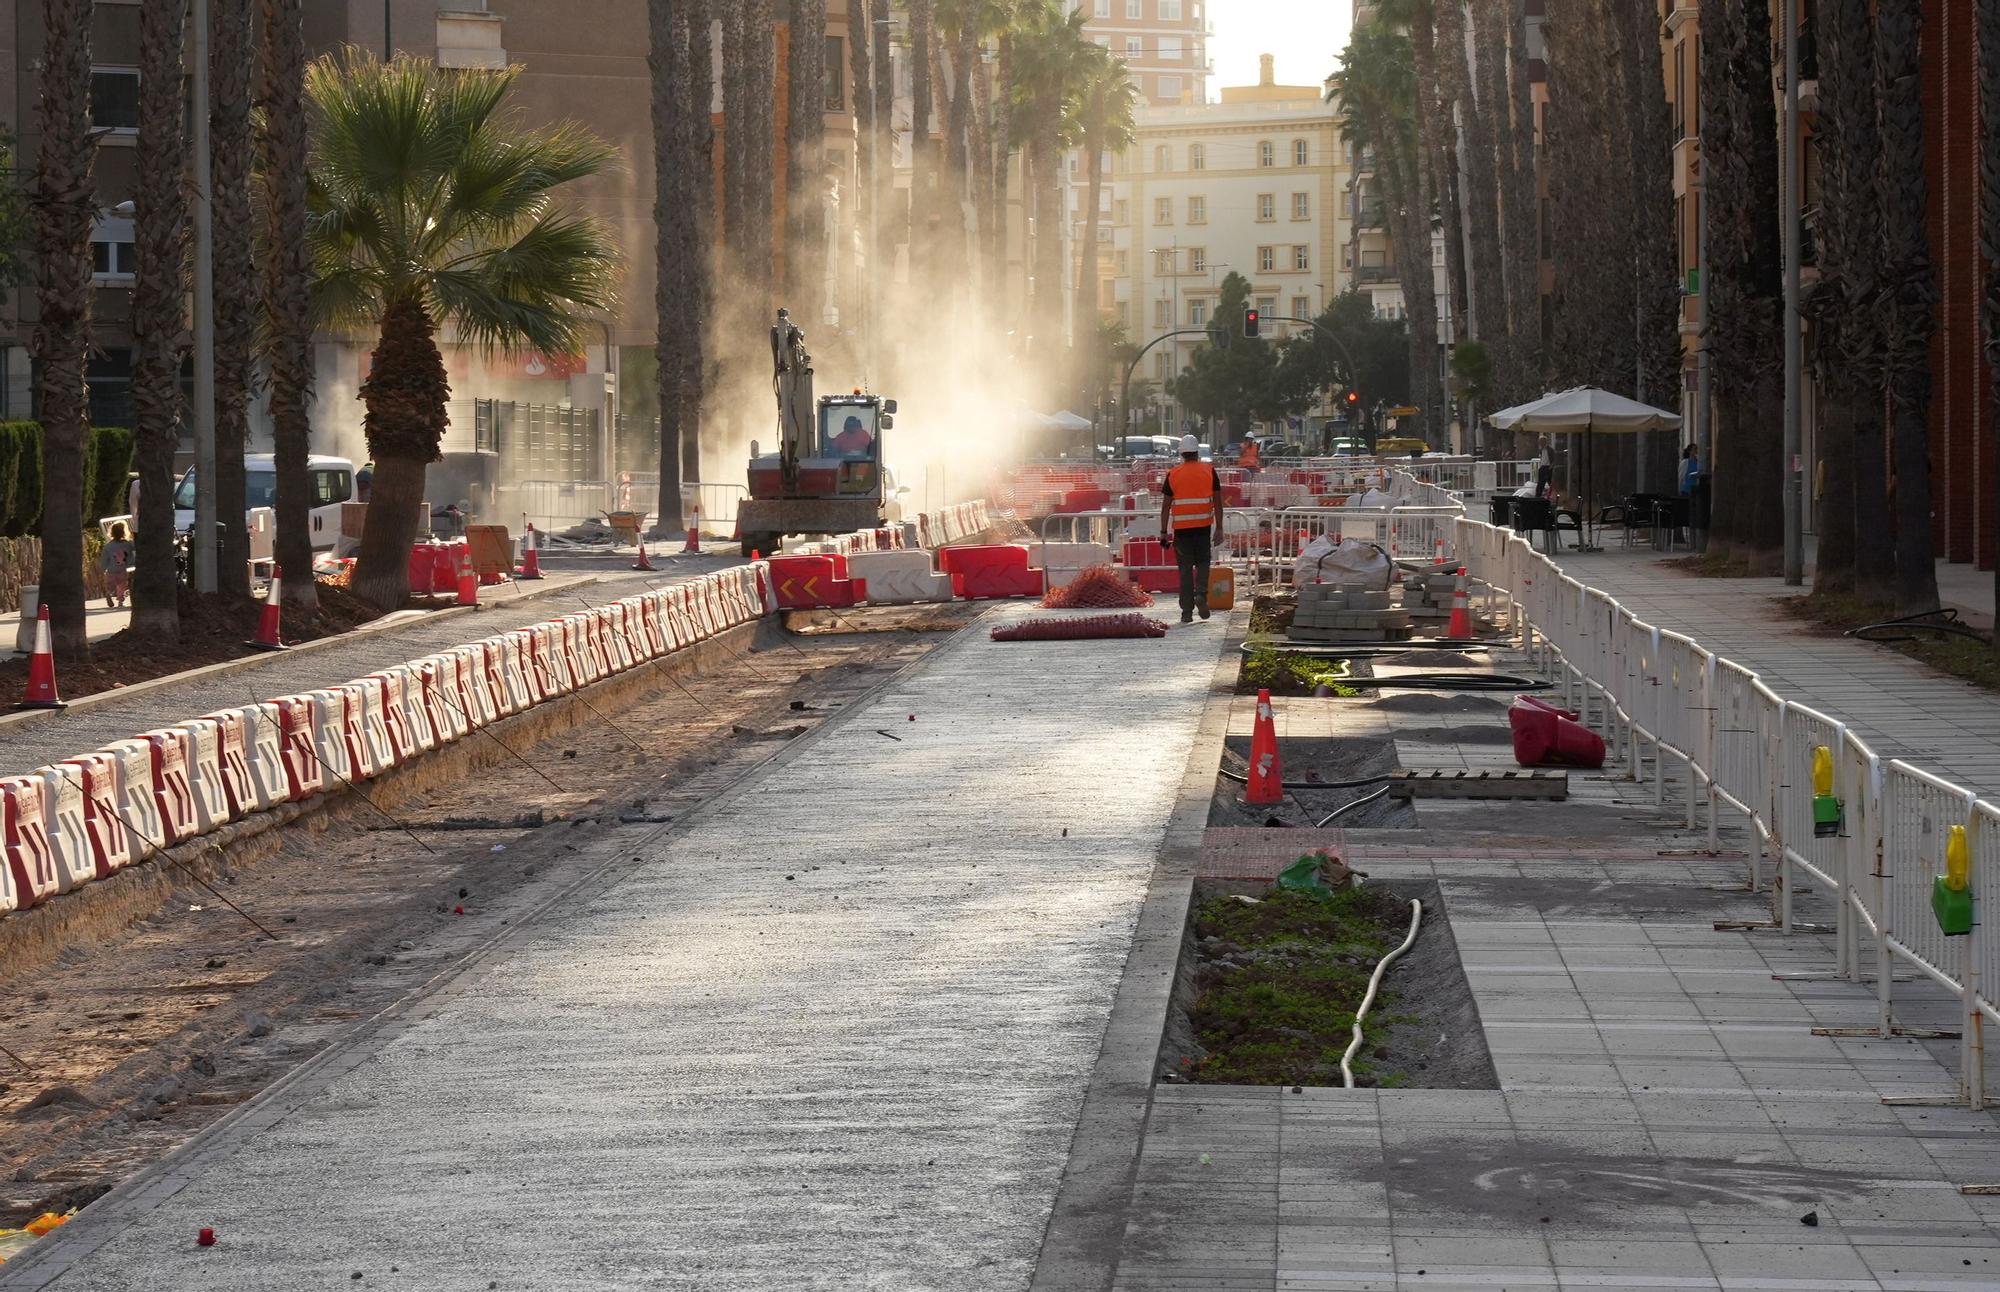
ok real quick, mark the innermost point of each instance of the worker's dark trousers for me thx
(1193, 554)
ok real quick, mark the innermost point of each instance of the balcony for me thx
(1375, 274)
(1372, 215)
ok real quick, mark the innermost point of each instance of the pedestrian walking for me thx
(1690, 468)
(1191, 513)
(116, 561)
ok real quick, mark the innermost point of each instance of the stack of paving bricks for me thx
(1347, 613)
(1427, 595)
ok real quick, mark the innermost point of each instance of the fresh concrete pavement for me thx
(831, 1031)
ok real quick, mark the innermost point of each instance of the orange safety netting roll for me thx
(1099, 587)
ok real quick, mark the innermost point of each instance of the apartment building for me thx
(1252, 185)
(1164, 42)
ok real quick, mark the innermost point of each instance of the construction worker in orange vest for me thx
(1192, 513)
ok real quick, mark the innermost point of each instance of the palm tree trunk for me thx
(287, 286)
(1086, 283)
(1049, 338)
(1447, 35)
(64, 204)
(805, 186)
(958, 135)
(235, 281)
(979, 160)
(676, 170)
(884, 250)
(699, 232)
(158, 313)
(737, 162)
(760, 47)
(1410, 242)
(1988, 18)
(923, 154)
(1912, 296)
(1001, 140)
(1521, 217)
(1482, 143)
(405, 394)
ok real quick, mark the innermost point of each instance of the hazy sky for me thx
(1304, 34)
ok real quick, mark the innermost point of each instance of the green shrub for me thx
(24, 504)
(106, 464)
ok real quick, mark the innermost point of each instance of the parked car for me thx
(1139, 446)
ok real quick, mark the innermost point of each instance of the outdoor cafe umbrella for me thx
(1584, 411)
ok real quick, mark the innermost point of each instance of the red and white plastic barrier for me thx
(110, 841)
(24, 834)
(173, 791)
(69, 837)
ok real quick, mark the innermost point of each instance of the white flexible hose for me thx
(1374, 982)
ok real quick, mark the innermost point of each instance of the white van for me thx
(330, 482)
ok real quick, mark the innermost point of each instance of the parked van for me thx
(330, 482)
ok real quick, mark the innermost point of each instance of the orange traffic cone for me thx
(41, 692)
(1461, 610)
(531, 555)
(468, 583)
(644, 562)
(694, 533)
(268, 620)
(1440, 549)
(1267, 779)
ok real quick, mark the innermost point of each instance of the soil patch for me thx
(214, 628)
(1320, 759)
(1960, 657)
(1269, 980)
(1417, 702)
(1271, 614)
(1289, 673)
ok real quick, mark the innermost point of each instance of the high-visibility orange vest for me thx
(1193, 485)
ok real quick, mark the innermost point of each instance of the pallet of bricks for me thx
(1347, 613)
(1427, 593)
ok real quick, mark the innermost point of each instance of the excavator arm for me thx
(792, 382)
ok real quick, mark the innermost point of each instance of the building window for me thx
(1160, 363)
(1163, 210)
(1170, 49)
(1135, 8)
(1170, 88)
(111, 250)
(1267, 206)
(1267, 153)
(1121, 263)
(1121, 212)
(1197, 313)
(1170, 10)
(1267, 305)
(1301, 153)
(836, 77)
(1266, 259)
(1302, 257)
(1302, 206)
(1163, 263)
(1197, 157)
(1197, 260)
(107, 375)
(1102, 9)
(1163, 158)
(114, 99)
(1163, 314)
(1197, 209)
(1301, 307)
(1132, 47)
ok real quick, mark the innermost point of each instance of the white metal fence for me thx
(1750, 752)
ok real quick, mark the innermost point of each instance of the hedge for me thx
(107, 463)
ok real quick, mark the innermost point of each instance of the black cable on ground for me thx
(1367, 651)
(1449, 682)
(1947, 624)
(1349, 807)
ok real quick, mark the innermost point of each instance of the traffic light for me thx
(1353, 396)
(1250, 323)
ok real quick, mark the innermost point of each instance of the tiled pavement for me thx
(1901, 708)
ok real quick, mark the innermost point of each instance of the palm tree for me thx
(678, 257)
(699, 125)
(805, 185)
(1438, 39)
(1485, 106)
(1988, 18)
(1843, 306)
(1520, 216)
(923, 154)
(1911, 298)
(1049, 67)
(64, 208)
(235, 280)
(959, 23)
(432, 208)
(288, 273)
(1376, 87)
(1107, 128)
(159, 308)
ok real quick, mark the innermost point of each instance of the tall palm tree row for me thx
(64, 206)
(235, 279)
(1987, 16)
(1910, 295)
(160, 246)
(1486, 97)
(434, 209)
(680, 259)
(805, 129)
(1049, 66)
(1107, 129)
(923, 150)
(282, 148)
(1440, 92)
(1587, 212)
(1520, 214)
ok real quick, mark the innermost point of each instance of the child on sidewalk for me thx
(116, 561)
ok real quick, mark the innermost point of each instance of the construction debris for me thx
(1345, 613)
(1091, 626)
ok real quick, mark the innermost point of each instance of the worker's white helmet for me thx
(1189, 444)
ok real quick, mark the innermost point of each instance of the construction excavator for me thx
(826, 476)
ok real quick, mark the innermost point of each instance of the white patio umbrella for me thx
(1584, 411)
(1065, 420)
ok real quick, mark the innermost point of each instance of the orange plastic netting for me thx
(1099, 587)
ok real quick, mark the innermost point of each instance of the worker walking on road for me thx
(1192, 513)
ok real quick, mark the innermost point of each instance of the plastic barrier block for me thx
(611, 632)
(535, 664)
(62, 817)
(900, 577)
(173, 792)
(651, 627)
(509, 671)
(463, 682)
(137, 807)
(389, 697)
(232, 754)
(201, 742)
(574, 631)
(1545, 736)
(417, 708)
(264, 755)
(299, 718)
(368, 751)
(435, 692)
(24, 834)
(111, 843)
(564, 675)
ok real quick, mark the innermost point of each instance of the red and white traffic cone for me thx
(468, 583)
(1267, 778)
(41, 693)
(694, 533)
(1461, 610)
(644, 562)
(268, 628)
(531, 555)
(1440, 549)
